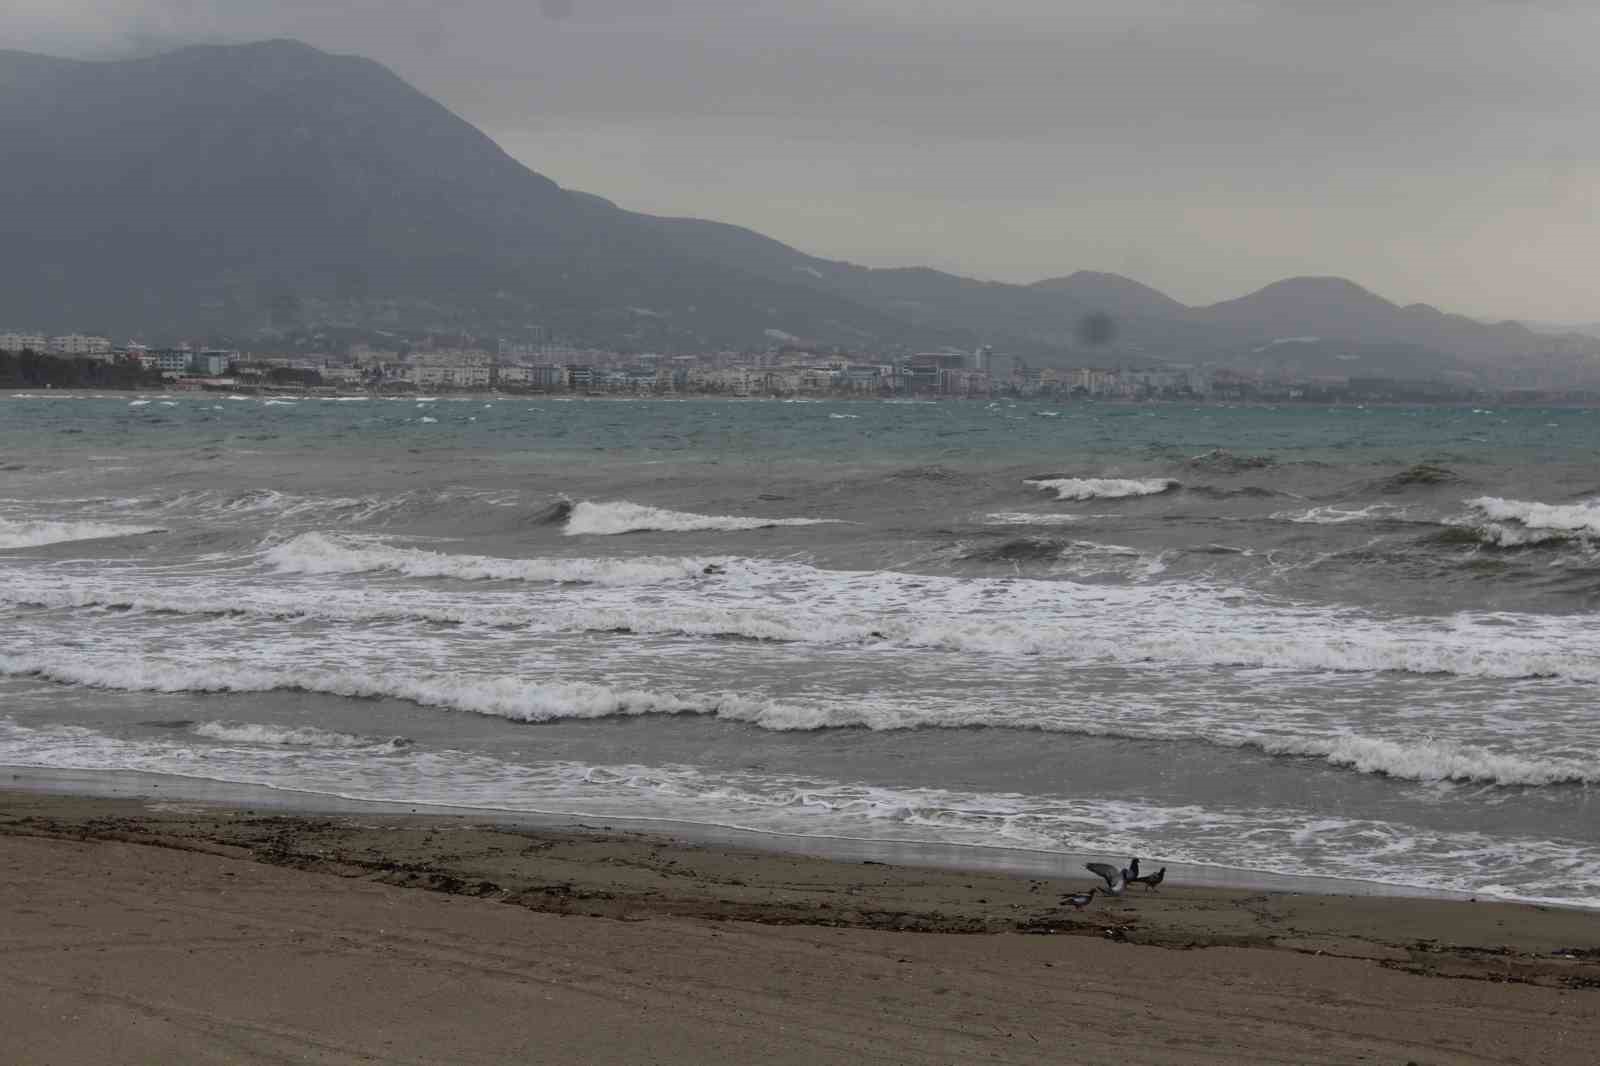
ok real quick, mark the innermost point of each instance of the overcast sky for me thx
(1442, 151)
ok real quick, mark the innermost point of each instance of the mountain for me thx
(237, 190)
(1112, 294)
(225, 188)
(1337, 309)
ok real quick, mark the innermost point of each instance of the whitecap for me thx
(33, 534)
(607, 519)
(1106, 488)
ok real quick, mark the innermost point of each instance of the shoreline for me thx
(438, 395)
(998, 859)
(152, 928)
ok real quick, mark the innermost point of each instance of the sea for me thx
(1346, 642)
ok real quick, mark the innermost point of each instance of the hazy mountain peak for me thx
(1113, 293)
(225, 189)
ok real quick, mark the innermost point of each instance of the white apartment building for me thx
(15, 341)
(78, 344)
(452, 377)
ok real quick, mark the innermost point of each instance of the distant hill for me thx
(231, 190)
(1112, 294)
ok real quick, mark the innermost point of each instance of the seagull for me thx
(1116, 880)
(1150, 881)
(1132, 872)
(1079, 900)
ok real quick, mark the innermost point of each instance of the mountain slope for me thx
(1112, 294)
(231, 186)
(231, 189)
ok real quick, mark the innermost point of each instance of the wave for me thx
(1225, 462)
(1255, 492)
(323, 553)
(1024, 518)
(34, 534)
(291, 736)
(1425, 475)
(1431, 760)
(1101, 488)
(1578, 519)
(1426, 760)
(609, 519)
(1338, 516)
(933, 472)
(555, 514)
(1176, 624)
(1018, 550)
(512, 698)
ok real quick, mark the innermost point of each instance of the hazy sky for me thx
(1435, 150)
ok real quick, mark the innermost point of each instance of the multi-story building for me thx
(15, 341)
(532, 377)
(166, 360)
(78, 344)
(212, 362)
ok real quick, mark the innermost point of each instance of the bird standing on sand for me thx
(1079, 900)
(1150, 881)
(1116, 880)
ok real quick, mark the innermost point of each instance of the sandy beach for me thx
(140, 930)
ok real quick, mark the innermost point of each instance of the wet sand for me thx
(142, 931)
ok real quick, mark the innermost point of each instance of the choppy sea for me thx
(1349, 642)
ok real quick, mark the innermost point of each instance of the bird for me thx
(1079, 900)
(1116, 880)
(1150, 881)
(1132, 872)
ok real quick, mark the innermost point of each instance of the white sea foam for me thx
(1336, 516)
(291, 736)
(1423, 759)
(1102, 488)
(324, 553)
(503, 697)
(1582, 519)
(1174, 624)
(1432, 760)
(606, 519)
(1281, 840)
(1025, 518)
(33, 534)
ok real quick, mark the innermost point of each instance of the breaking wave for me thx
(1431, 760)
(1179, 624)
(28, 534)
(1025, 518)
(291, 736)
(607, 519)
(1530, 519)
(1101, 488)
(516, 699)
(323, 553)
(503, 697)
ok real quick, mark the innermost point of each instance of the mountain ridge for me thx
(240, 188)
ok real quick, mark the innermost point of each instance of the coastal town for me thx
(429, 365)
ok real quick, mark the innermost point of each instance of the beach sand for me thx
(141, 931)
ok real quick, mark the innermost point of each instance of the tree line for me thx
(30, 370)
